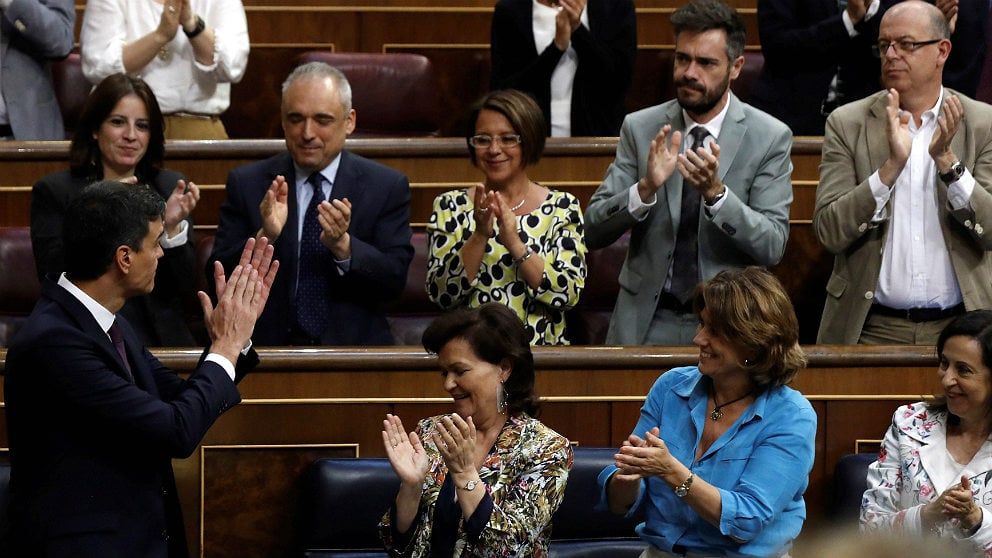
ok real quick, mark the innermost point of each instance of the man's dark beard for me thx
(709, 100)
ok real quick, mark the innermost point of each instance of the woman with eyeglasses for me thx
(508, 239)
(934, 471)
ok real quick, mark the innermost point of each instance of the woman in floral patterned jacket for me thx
(485, 480)
(934, 471)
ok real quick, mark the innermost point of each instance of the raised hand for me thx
(168, 24)
(900, 140)
(405, 451)
(274, 209)
(700, 169)
(240, 299)
(948, 123)
(483, 211)
(335, 217)
(180, 204)
(455, 440)
(567, 21)
(662, 160)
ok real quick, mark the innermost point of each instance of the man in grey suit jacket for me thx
(905, 195)
(742, 177)
(32, 32)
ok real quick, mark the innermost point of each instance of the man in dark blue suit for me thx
(93, 419)
(340, 224)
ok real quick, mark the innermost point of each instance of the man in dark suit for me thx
(93, 418)
(340, 224)
(817, 57)
(696, 207)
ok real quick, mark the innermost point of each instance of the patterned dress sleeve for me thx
(564, 251)
(881, 506)
(523, 509)
(447, 231)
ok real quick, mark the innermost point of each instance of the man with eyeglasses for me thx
(717, 200)
(905, 195)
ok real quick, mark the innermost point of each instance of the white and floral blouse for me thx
(553, 231)
(914, 468)
(524, 476)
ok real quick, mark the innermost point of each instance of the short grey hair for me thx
(321, 70)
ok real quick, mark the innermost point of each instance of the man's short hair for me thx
(104, 216)
(699, 16)
(320, 70)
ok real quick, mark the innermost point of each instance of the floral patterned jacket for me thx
(911, 471)
(525, 475)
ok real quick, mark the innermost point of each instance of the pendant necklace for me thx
(717, 412)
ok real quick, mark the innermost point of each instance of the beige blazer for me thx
(854, 146)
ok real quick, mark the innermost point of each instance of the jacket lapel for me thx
(85, 321)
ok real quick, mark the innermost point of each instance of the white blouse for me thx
(563, 75)
(180, 83)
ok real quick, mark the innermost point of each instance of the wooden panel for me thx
(246, 491)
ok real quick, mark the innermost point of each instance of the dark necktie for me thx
(311, 288)
(118, 340)
(685, 266)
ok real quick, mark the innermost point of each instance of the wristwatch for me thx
(953, 174)
(716, 198)
(470, 485)
(683, 489)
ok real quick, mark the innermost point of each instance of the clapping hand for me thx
(405, 451)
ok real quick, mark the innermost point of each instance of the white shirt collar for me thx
(105, 318)
(713, 126)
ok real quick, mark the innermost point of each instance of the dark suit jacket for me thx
(380, 247)
(970, 44)
(606, 51)
(38, 31)
(803, 42)
(90, 451)
(160, 318)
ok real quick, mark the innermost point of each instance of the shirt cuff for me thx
(344, 266)
(710, 210)
(181, 237)
(222, 361)
(881, 193)
(848, 24)
(959, 192)
(637, 208)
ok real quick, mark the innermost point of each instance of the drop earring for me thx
(500, 399)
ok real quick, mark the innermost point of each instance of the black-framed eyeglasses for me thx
(485, 142)
(902, 47)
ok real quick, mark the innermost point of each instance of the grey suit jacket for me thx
(34, 31)
(854, 147)
(750, 228)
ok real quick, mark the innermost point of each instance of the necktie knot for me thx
(315, 181)
(698, 135)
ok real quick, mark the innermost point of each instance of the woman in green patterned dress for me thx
(508, 239)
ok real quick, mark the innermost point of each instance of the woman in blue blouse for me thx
(721, 455)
